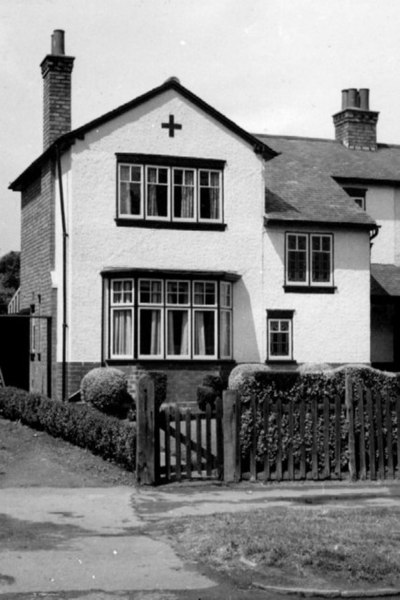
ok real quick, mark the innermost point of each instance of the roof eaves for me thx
(268, 221)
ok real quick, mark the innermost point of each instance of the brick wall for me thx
(37, 261)
(356, 129)
(56, 72)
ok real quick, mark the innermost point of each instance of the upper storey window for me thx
(309, 260)
(169, 190)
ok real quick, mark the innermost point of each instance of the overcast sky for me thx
(272, 66)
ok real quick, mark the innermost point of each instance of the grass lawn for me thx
(345, 547)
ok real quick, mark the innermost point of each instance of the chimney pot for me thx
(364, 98)
(345, 94)
(353, 98)
(57, 42)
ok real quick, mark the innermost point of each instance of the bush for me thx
(106, 389)
(211, 389)
(308, 388)
(79, 424)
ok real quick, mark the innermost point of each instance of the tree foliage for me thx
(9, 278)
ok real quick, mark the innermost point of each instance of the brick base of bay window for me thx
(182, 379)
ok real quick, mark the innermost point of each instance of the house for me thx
(163, 237)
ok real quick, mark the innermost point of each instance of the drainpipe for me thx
(64, 277)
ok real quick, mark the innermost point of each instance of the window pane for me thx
(209, 205)
(204, 333)
(136, 173)
(226, 334)
(204, 293)
(321, 259)
(297, 265)
(183, 194)
(150, 291)
(178, 333)
(124, 172)
(122, 338)
(157, 200)
(130, 198)
(177, 292)
(226, 295)
(150, 332)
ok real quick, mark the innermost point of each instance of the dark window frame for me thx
(143, 219)
(309, 285)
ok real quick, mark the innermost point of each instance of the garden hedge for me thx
(79, 424)
(308, 387)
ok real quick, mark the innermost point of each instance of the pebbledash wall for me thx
(327, 327)
(96, 242)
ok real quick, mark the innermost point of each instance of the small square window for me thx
(279, 335)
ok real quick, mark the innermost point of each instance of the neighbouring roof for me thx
(67, 140)
(302, 181)
(385, 280)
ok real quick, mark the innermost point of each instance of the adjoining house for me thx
(163, 237)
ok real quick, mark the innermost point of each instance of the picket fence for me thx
(330, 438)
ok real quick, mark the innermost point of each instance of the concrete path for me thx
(85, 539)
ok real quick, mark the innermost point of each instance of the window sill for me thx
(281, 362)
(309, 289)
(170, 224)
(180, 362)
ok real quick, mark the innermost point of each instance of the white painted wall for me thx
(332, 328)
(95, 242)
(383, 205)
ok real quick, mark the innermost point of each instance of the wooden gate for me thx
(191, 443)
(176, 443)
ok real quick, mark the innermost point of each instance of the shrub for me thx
(308, 388)
(211, 389)
(79, 424)
(106, 389)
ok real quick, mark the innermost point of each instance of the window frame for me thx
(309, 284)
(147, 183)
(172, 164)
(214, 311)
(128, 216)
(121, 306)
(221, 303)
(173, 185)
(280, 316)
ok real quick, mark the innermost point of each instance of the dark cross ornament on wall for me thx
(171, 126)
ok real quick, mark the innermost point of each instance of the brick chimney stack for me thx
(56, 73)
(355, 124)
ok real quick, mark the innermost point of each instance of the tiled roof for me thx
(303, 178)
(385, 280)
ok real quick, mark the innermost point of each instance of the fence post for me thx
(147, 440)
(231, 429)
(350, 419)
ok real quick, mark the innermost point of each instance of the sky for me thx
(272, 66)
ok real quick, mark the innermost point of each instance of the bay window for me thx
(175, 319)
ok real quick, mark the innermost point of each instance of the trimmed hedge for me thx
(294, 387)
(79, 424)
(106, 389)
